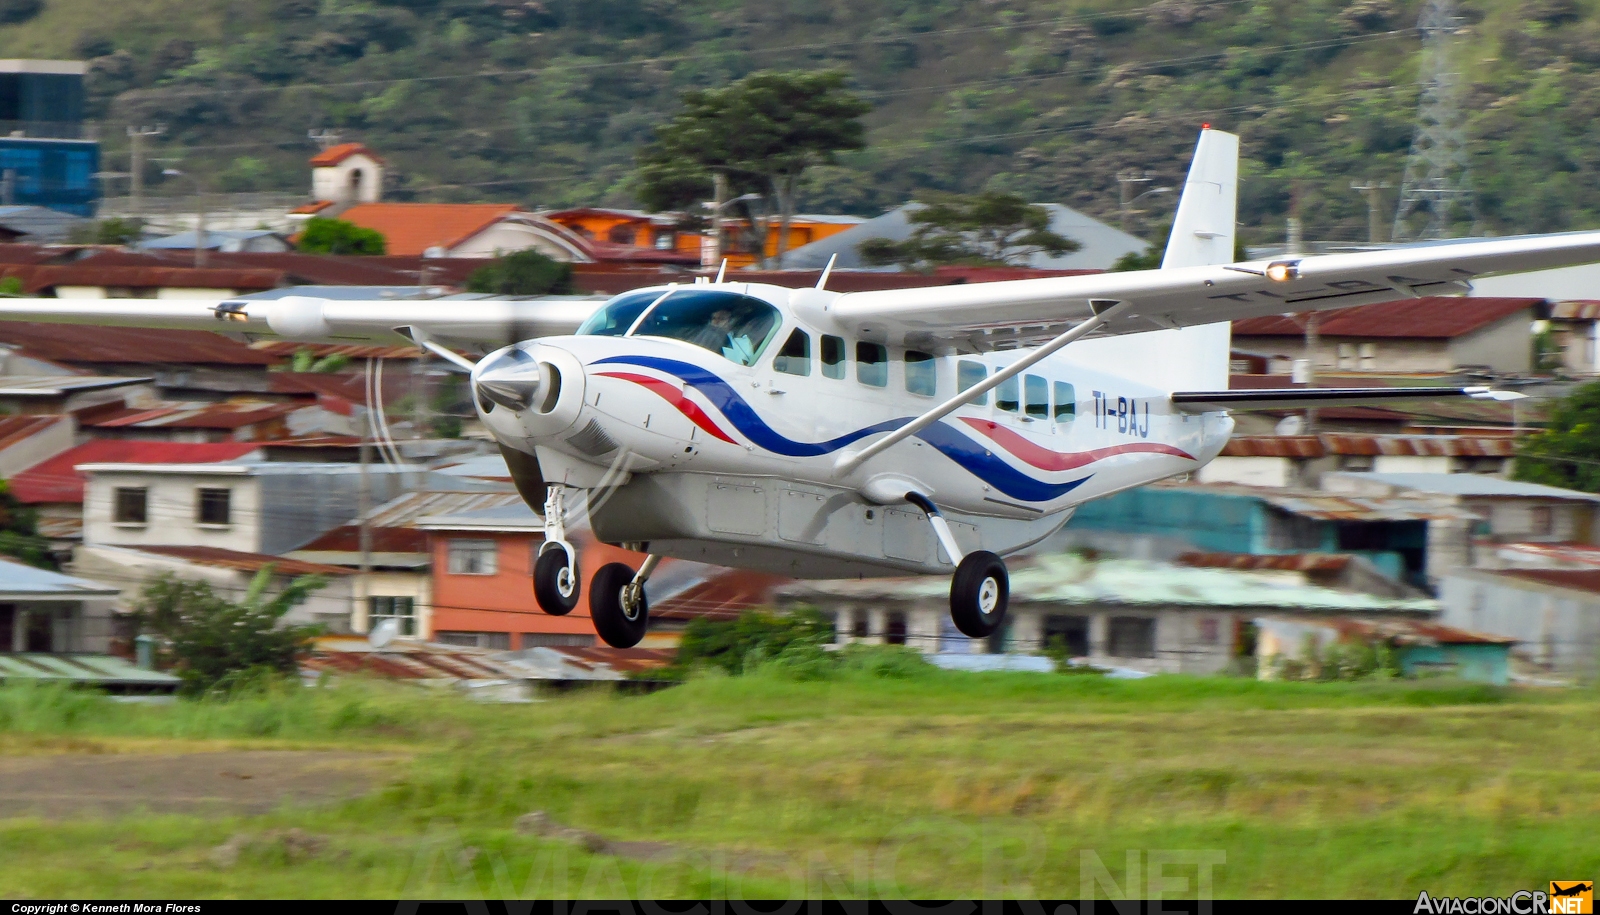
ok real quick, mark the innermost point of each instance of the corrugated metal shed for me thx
(1470, 485)
(243, 562)
(394, 523)
(60, 385)
(83, 669)
(1068, 580)
(1357, 508)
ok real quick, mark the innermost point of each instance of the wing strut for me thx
(1104, 310)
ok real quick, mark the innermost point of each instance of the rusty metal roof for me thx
(48, 276)
(1574, 579)
(1358, 444)
(83, 343)
(55, 479)
(1327, 507)
(243, 562)
(1429, 317)
(394, 523)
(14, 429)
(1283, 562)
(414, 660)
(1401, 631)
(193, 416)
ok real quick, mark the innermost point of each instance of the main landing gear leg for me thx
(618, 604)
(556, 580)
(980, 588)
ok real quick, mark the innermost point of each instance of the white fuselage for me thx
(1061, 435)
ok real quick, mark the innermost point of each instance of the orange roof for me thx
(333, 155)
(314, 207)
(413, 228)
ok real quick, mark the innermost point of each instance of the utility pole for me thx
(719, 198)
(136, 138)
(1126, 179)
(1373, 192)
(1438, 176)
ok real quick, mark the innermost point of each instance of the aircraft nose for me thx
(512, 387)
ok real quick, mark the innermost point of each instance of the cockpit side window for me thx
(737, 327)
(616, 316)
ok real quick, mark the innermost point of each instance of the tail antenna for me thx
(722, 271)
(827, 271)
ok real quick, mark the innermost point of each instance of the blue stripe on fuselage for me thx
(975, 458)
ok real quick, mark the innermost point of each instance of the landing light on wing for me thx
(1283, 271)
(1492, 394)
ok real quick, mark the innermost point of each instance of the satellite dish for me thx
(383, 633)
(1293, 424)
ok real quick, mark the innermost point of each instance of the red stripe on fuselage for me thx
(673, 395)
(1045, 459)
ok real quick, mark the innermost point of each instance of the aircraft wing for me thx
(982, 316)
(1305, 398)
(474, 324)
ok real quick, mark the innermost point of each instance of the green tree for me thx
(305, 360)
(989, 228)
(115, 230)
(522, 273)
(1567, 452)
(336, 236)
(215, 641)
(755, 636)
(10, 287)
(764, 130)
(18, 532)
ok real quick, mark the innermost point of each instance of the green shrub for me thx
(757, 635)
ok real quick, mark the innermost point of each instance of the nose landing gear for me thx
(618, 604)
(556, 578)
(980, 588)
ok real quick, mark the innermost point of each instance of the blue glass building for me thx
(44, 158)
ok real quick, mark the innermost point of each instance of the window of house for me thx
(1347, 355)
(1209, 630)
(832, 356)
(214, 506)
(1369, 356)
(129, 505)
(1068, 632)
(1007, 395)
(1066, 402)
(1037, 392)
(555, 640)
(969, 373)
(872, 364)
(922, 373)
(795, 356)
(497, 640)
(894, 630)
(472, 557)
(1131, 637)
(400, 609)
(1543, 519)
(666, 241)
(860, 624)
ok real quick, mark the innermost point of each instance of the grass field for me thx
(939, 784)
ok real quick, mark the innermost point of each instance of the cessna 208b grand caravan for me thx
(824, 435)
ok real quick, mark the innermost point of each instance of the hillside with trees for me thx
(547, 102)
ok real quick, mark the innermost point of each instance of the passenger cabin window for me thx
(736, 326)
(1066, 402)
(795, 357)
(1037, 392)
(872, 364)
(832, 356)
(969, 373)
(922, 373)
(1006, 395)
(129, 505)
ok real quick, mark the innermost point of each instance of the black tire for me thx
(979, 592)
(548, 574)
(611, 620)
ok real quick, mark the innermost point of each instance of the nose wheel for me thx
(556, 581)
(618, 604)
(979, 592)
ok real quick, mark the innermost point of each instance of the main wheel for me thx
(978, 594)
(621, 612)
(555, 586)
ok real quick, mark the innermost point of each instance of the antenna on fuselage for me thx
(827, 271)
(722, 271)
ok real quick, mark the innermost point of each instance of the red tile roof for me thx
(82, 343)
(413, 228)
(1431, 317)
(333, 155)
(55, 480)
(244, 562)
(14, 429)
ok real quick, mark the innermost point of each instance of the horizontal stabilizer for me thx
(1305, 398)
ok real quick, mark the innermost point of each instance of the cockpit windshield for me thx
(737, 327)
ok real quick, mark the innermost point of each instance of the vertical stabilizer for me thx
(1193, 358)
(1202, 231)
